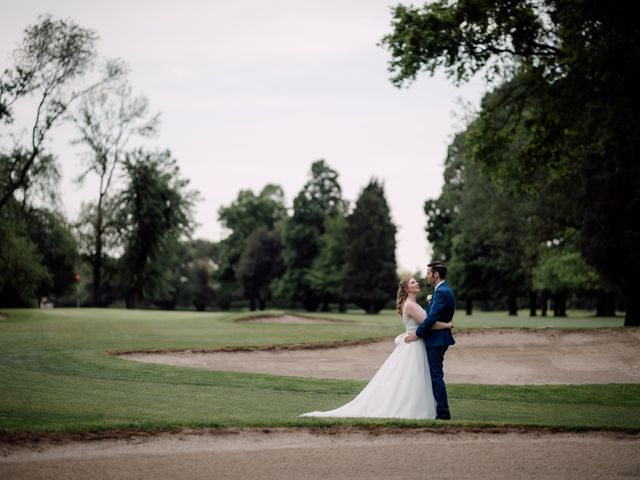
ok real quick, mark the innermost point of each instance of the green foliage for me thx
(203, 293)
(327, 275)
(442, 211)
(155, 209)
(38, 256)
(371, 259)
(484, 231)
(58, 249)
(561, 267)
(22, 272)
(260, 264)
(52, 57)
(250, 211)
(562, 125)
(245, 215)
(106, 120)
(320, 198)
(466, 37)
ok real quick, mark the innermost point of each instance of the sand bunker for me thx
(290, 319)
(490, 356)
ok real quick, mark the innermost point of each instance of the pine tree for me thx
(370, 256)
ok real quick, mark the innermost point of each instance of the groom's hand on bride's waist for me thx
(410, 337)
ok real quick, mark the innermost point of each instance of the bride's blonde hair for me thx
(402, 294)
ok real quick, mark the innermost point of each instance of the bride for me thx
(401, 388)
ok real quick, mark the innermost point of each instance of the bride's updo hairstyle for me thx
(402, 294)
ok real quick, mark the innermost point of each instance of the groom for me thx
(441, 309)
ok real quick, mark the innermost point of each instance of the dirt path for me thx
(495, 356)
(302, 454)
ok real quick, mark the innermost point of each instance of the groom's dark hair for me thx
(439, 267)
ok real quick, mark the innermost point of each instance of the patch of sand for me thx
(288, 319)
(488, 356)
(354, 454)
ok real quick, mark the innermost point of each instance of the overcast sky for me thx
(252, 92)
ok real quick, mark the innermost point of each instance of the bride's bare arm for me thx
(416, 313)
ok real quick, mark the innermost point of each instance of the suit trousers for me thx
(435, 355)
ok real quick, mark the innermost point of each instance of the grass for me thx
(56, 376)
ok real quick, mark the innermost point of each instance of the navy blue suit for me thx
(440, 309)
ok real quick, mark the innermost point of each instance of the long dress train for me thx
(401, 388)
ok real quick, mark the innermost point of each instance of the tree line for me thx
(133, 243)
(539, 203)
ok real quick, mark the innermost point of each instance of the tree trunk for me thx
(97, 259)
(469, 306)
(252, 303)
(632, 316)
(543, 304)
(342, 307)
(513, 304)
(262, 303)
(560, 304)
(532, 304)
(606, 304)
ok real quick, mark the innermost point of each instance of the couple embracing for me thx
(410, 383)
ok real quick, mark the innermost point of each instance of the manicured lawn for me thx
(56, 376)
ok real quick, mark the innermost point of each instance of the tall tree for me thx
(206, 258)
(578, 62)
(561, 269)
(59, 251)
(328, 272)
(320, 197)
(50, 64)
(260, 264)
(22, 271)
(247, 213)
(371, 251)
(106, 119)
(156, 207)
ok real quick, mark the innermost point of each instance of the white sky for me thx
(252, 92)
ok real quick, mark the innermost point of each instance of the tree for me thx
(58, 249)
(371, 250)
(442, 211)
(320, 197)
(110, 245)
(21, 270)
(492, 252)
(106, 119)
(53, 56)
(561, 270)
(247, 213)
(577, 62)
(155, 209)
(260, 264)
(485, 231)
(203, 293)
(328, 272)
(206, 258)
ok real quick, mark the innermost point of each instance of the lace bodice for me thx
(409, 324)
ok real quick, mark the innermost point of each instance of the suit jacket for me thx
(440, 309)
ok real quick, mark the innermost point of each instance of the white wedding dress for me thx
(401, 388)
